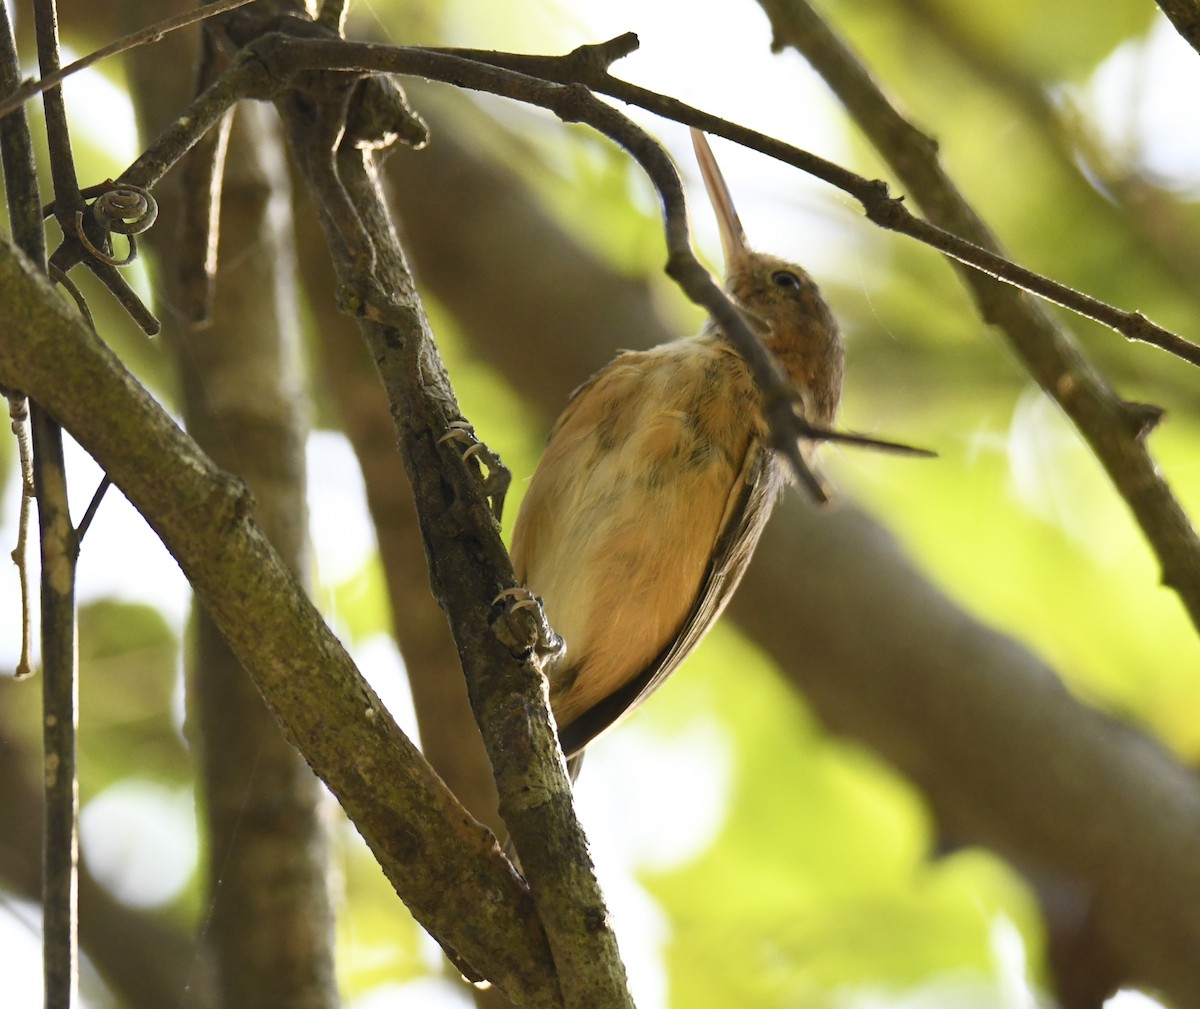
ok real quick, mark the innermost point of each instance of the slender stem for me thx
(60, 700)
(67, 198)
(21, 193)
(180, 136)
(141, 37)
(587, 66)
(92, 508)
(59, 548)
(18, 412)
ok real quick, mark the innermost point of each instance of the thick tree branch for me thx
(449, 737)
(468, 563)
(443, 864)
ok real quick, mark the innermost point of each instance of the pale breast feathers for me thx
(677, 424)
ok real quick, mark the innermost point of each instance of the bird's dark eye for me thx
(785, 278)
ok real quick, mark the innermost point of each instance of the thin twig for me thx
(1115, 430)
(21, 192)
(18, 412)
(60, 691)
(588, 66)
(68, 285)
(67, 198)
(93, 506)
(141, 37)
(203, 173)
(244, 79)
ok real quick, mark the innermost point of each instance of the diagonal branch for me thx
(1112, 427)
(138, 38)
(443, 864)
(1185, 16)
(469, 566)
(588, 65)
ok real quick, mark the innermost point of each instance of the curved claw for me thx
(526, 635)
(516, 598)
(473, 450)
(495, 484)
(460, 431)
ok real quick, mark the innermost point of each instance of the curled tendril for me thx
(100, 254)
(124, 209)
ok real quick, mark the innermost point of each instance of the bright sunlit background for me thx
(830, 901)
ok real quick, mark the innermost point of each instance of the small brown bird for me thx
(656, 483)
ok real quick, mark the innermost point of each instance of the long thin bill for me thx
(733, 237)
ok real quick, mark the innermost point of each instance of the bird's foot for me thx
(523, 626)
(472, 450)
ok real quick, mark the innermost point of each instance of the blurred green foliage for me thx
(827, 886)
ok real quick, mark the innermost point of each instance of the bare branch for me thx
(59, 553)
(141, 37)
(21, 192)
(18, 413)
(468, 563)
(444, 865)
(60, 692)
(1114, 429)
(1185, 16)
(587, 66)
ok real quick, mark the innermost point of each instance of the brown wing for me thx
(750, 504)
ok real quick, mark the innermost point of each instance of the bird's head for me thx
(782, 302)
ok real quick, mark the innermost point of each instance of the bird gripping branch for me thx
(656, 484)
